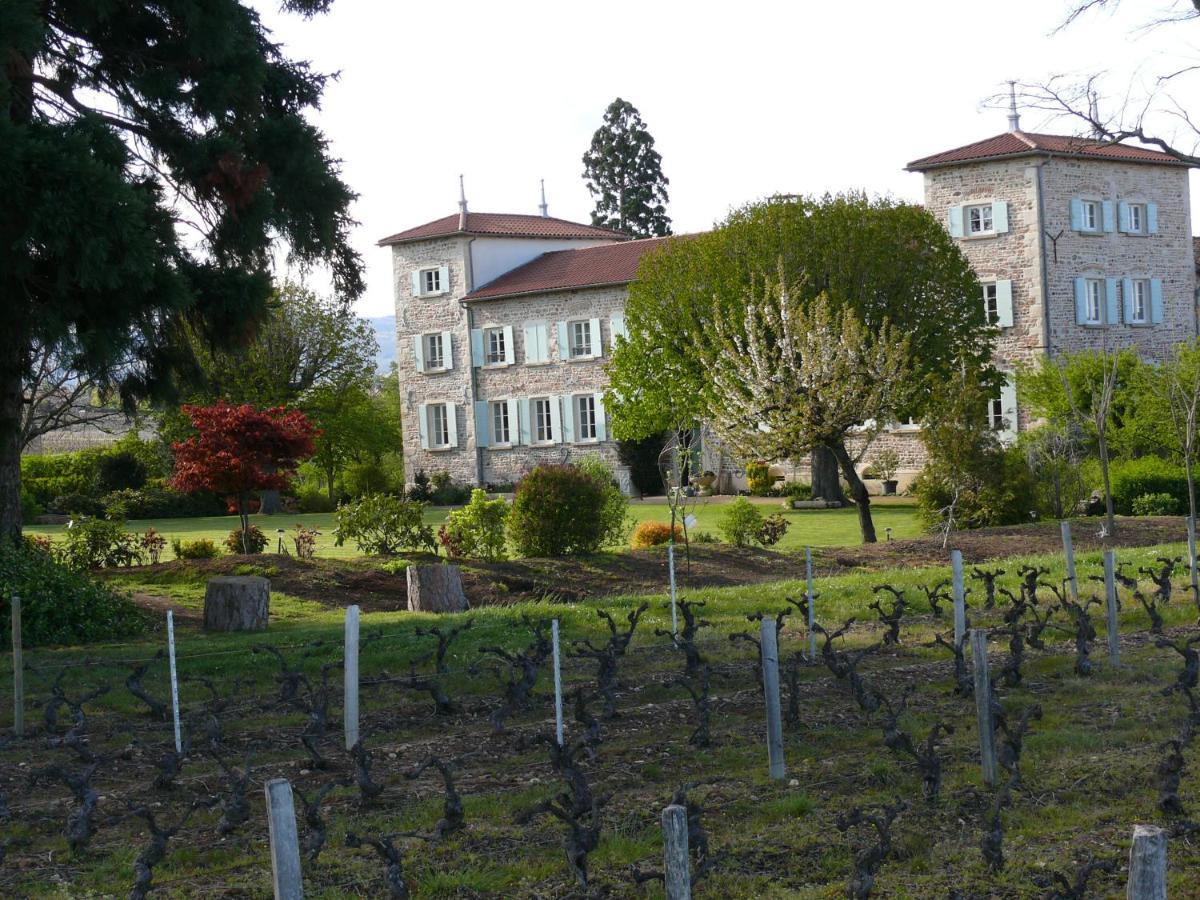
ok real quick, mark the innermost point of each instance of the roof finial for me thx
(1014, 119)
(542, 207)
(462, 205)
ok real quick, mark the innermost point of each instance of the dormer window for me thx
(979, 219)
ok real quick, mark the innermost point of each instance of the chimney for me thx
(1014, 120)
(542, 208)
(462, 205)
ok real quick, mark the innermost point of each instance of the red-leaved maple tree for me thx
(240, 449)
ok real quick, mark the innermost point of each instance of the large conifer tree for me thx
(151, 154)
(624, 174)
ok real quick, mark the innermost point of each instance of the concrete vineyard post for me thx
(558, 704)
(770, 668)
(678, 877)
(671, 571)
(350, 694)
(960, 600)
(1069, 555)
(983, 705)
(1191, 529)
(174, 678)
(1110, 607)
(1147, 864)
(285, 840)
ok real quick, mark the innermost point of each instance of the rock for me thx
(236, 603)
(436, 588)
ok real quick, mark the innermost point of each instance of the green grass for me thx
(809, 527)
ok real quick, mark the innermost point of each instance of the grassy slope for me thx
(815, 527)
(1089, 764)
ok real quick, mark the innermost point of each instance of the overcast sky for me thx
(743, 99)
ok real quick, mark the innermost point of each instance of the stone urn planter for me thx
(889, 487)
(236, 603)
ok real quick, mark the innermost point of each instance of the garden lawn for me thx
(809, 527)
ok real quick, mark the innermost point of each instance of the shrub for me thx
(1003, 492)
(652, 534)
(1134, 478)
(884, 466)
(153, 544)
(558, 510)
(773, 529)
(641, 458)
(702, 537)
(255, 541)
(758, 477)
(476, 531)
(76, 505)
(740, 523)
(60, 605)
(120, 470)
(395, 566)
(99, 543)
(201, 548)
(59, 475)
(156, 500)
(1156, 505)
(420, 492)
(381, 525)
(30, 508)
(444, 491)
(305, 539)
(797, 490)
(365, 477)
(614, 515)
(312, 500)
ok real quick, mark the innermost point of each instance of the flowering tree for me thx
(240, 449)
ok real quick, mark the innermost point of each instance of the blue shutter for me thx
(510, 351)
(419, 352)
(1004, 303)
(447, 350)
(601, 418)
(533, 352)
(1080, 301)
(1156, 301)
(556, 434)
(422, 425)
(1076, 214)
(567, 418)
(452, 423)
(477, 346)
(525, 429)
(1008, 408)
(1112, 310)
(416, 283)
(1127, 294)
(616, 327)
(956, 221)
(1106, 214)
(1151, 218)
(1123, 217)
(564, 349)
(1000, 217)
(514, 421)
(444, 278)
(482, 432)
(597, 339)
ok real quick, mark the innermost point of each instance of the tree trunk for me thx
(825, 481)
(11, 356)
(243, 505)
(236, 603)
(858, 492)
(1108, 502)
(269, 503)
(1191, 484)
(329, 484)
(436, 588)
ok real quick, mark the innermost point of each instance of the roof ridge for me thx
(1021, 136)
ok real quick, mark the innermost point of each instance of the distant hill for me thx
(385, 336)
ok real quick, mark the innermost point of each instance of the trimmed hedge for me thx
(1135, 478)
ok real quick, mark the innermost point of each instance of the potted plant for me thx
(706, 482)
(884, 468)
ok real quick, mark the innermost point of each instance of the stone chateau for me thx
(504, 321)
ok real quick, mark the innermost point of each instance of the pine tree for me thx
(624, 174)
(150, 156)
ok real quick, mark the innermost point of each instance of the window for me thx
(580, 338)
(585, 417)
(439, 426)
(991, 305)
(496, 353)
(501, 430)
(431, 281)
(1137, 218)
(996, 414)
(1091, 215)
(543, 430)
(1139, 301)
(979, 219)
(1095, 301)
(435, 351)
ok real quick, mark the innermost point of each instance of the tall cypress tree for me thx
(624, 174)
(151, 154)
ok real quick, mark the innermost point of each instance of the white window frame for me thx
(439, 432)
(431, 281)
(1137, 210)
(583, 408)
(1091, 217)
(1096, 294)
(500, 423)
(576, 349)
(995, 413)
(542, 426)
(991, 302)
(429, 340)
(984, 214)
(1141, 293)
(494, 339)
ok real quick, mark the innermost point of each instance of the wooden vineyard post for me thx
(285, 840)
(350, 692)
(1147, 864)
(677, 876)
(960, 598)
(1110, 607)
(18, 670)
(983, 705)
(1069, 555)
(770, 668)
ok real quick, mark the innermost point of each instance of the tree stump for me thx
(236, 603)
(436, 588)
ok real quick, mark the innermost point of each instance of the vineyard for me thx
(458, 786)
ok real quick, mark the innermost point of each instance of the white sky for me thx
(744, 99)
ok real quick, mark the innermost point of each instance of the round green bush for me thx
(476, 531)
(558, 510)
(740, 523)
(1156, 505)
(60, 605)
(255, 541)
(1136, 478)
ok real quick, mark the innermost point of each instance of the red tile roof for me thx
(503, 225)
(562, 270)
(1019, 143)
